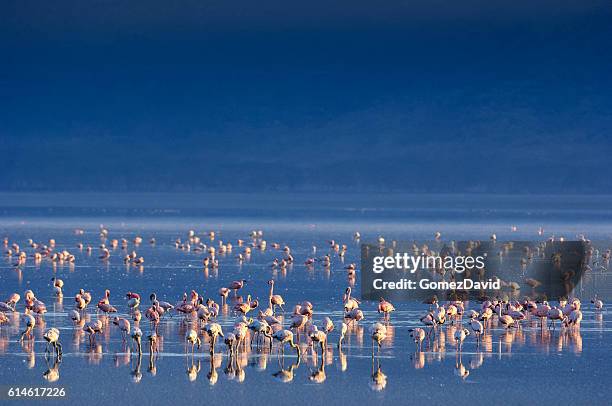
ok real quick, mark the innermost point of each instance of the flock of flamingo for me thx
(262, 325)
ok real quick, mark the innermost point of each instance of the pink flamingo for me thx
(275, 300)
(124, 327)
(385, 308)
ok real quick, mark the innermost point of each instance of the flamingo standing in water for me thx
(137, 337)
(318, 336)
(541, 312)
(58, 284)
(224, 293)
(104, 303)
(418, 335)
(93, 328)
(213, 330)
(51, 336)
(86, 296)
(385, 308)
(460, 335)
(30, 322)
(133, 300)
(285, 337)
(260, 327)
(297, 322)
(275, 300)
(160, 306)
(506, 320)
(153, 316)
(245, 307)
(486, 315)
(349, 302)
(193, 339)
(379, 333)
(477, 328)
(124, 327)
(237, 285)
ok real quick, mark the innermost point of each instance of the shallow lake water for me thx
(524, 365)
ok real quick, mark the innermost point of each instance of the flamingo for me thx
(486, 315)
(213, 330)
(240, 332)
(30, 322)
(136, 316)
(320, 337)
(460, 335)
(261, 327)
(349, 302)
(285, 337)
(506, 320)
(86, 296)
(13, 300)
(379, 333)
(124, 327)
(93, 328)
(160, 304)
(213, 307)
(203, 312)
(418, 335)
(385, 308)
(275, 300)
(133, 300)
(104, 303)
(542, 312)
(237, 285)
(297, 322)
(137, 337)
(58, 284)
(477, 328)
(193, 339)
(106, 297)
(245, 307)
(153, 316)
(224, 293)
(51, 336)
(305, 309)
(573, 320)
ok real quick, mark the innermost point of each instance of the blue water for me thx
(521, 366)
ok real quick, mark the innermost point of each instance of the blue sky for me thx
(274, 95)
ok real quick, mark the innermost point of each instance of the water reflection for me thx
(401, 354)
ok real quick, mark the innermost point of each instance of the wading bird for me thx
(51, 336)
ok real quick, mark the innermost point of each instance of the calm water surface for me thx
(524, 366)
